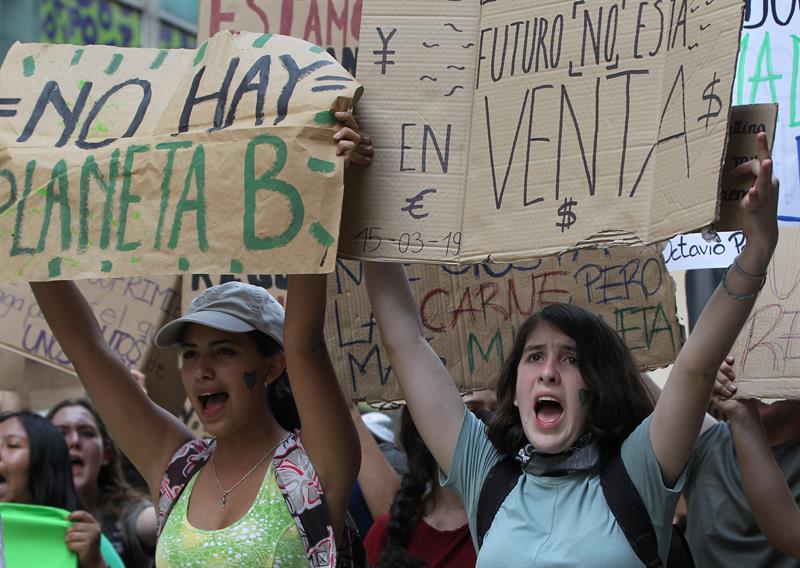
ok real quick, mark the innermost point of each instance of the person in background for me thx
(427, 524)
(127, 518)
(743, 488)
(35, 469)
(382, 462)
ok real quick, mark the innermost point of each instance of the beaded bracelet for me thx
(744, 297)
(743, 272)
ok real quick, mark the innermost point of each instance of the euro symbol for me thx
(413, 203)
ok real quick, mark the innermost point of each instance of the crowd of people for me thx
(570, 459)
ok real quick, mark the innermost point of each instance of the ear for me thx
(275, 367)
(515, 402)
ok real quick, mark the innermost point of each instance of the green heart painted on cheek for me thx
(250, 379)
(584, 396)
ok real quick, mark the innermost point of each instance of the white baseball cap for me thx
(380, 425)
(233, 306)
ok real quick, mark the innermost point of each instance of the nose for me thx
(549, 373)
(204, 369)
(72, 439)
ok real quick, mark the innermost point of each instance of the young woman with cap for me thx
(234, 345)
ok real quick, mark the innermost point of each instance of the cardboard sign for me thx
(768, 71)
(470, 315)
(144, 161)
(746, 121)
(129, 312)
(332, 24)
(508, 130)
(276, 284)
(767, 351)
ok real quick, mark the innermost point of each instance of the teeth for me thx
(548, 398)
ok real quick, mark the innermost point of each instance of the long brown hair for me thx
(113, 491)
(618, 401)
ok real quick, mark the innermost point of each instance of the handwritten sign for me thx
(767, 351)
(768, 71)
(470, 314)
(692, 251)
(332, 24)
(128, 310)
(545, 126)
(746, 121)
(275, 284)
(146, 161)
(83, 23)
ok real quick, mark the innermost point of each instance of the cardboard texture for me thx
(511, 130)
(470, 314)
(767, 351)
(332, 24)
(746, 121)
(121, 161)
(129, 311)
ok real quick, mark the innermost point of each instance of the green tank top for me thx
(265, 537)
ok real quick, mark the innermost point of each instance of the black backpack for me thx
(621, 495)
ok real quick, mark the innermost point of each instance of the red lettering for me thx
(355, 21)
(287, 17)
(423, 310)
(262, 15)
(494, 289)
(466, 298)
(337, 19)
(544, 290)
(218, 16)
(313, 24)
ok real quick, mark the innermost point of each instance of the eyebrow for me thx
(541, 347)
(215, 343)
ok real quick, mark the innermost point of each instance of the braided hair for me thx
(413, 499)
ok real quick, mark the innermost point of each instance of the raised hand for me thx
(725, 389)
(354, 145)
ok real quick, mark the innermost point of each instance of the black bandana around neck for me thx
(584, 455)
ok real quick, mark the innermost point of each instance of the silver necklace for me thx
(226, 492)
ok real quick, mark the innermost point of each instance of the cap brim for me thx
(171, 333)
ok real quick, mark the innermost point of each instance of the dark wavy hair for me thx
(279, 392)
(49, 467)
(113, 491)
(618, 401)
(412, 500)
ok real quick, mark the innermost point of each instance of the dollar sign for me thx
(708, 95)
(568, 218)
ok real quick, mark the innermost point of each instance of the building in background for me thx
(126, 23)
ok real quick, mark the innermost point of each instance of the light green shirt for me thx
(266, 536)
(559, 521)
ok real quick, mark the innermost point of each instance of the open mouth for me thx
(212, 403)
(548, 411)
(76, 463)
(2, 478)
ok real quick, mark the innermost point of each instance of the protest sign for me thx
(768, 71)
(332, 24)
(692, 251)
(746, 121)
(144, 161)
(470, 314)
(510, 130)
(276, 284)
(767, 351)
(129, 311)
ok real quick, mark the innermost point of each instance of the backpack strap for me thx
(502, 478)
(185, 463)
(628, 508)
(305, 498)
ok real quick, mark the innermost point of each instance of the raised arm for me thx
(432, 398)
(327, 430)
(767, 492)
(146, 433)
(377, 478)
(680, 409)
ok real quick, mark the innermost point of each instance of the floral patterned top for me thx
(265, 537)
